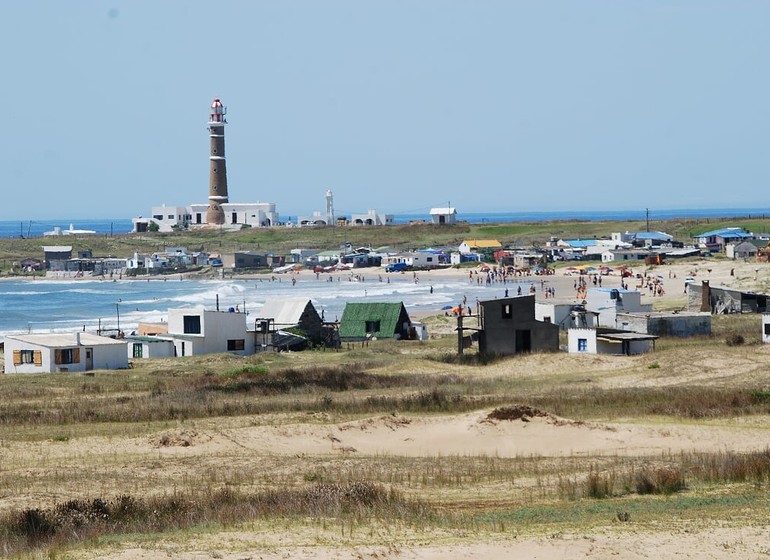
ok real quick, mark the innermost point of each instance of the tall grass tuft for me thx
(79, 520)
(666, 480)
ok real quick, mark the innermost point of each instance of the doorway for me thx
(523, 340)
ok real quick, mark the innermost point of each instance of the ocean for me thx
(36, 228)
(40, 306)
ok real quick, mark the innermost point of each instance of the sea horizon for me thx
(34, 228)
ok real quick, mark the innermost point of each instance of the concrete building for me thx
(198, 331)
(608, 341)
(143, 347)
(244, 259)
(766, 328)
(608, 302)
(680, 324)
(442, 216)
(508, 326)
(56, 256)
(722, 300)
(564, 315)
(372, 218)
(63, 352)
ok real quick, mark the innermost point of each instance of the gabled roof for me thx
(443, 211)
(356, 315)
(580, 242)
(285, 312)
(653, 235)
(483, 243)
(726, 233)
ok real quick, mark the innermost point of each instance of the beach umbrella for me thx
(446, 308)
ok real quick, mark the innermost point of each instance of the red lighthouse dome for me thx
(218, 111)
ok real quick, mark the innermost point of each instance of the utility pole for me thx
(648, 220)
(460, 330)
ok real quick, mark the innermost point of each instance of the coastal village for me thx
(608, 309)
(573, 295)
(587, 382)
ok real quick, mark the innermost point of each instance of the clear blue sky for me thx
(394, 105)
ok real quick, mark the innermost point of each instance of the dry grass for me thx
(53, 490)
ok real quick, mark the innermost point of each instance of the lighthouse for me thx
(217, 168)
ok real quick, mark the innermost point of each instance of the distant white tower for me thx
(329, 208)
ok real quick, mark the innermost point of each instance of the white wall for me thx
(151, 349)
(573, 337)
(217, 327)
(766, 328)
(110, 355)
(600, 300)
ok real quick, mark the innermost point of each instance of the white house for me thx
(149, 347)
(566, 315)
(254, 214)
(63, 352)
(608, 341)
(137, 261)
(372, 218)
(446, 215)
(608, 302)
(198, 331)
(766, 328)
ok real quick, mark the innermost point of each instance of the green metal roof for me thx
(357, 315)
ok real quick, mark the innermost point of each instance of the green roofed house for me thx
(366, 321)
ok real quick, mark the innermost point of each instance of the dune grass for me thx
(53, 490)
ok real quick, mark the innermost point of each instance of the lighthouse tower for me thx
(329, 208)
(217, 168)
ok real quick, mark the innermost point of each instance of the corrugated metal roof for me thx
(356, 316)
(726, 232)
(285, 312)
(580, 242)
(653, 235)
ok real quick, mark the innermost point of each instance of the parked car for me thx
(397, 267)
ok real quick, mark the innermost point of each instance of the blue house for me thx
(717, 239)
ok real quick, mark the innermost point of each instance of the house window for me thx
(430, 259)
(192, 324)
(137, 349)
(767, 329)
(27, 356)
(237, 344)
(170, 216)
(67, 356)
(582, 345)
(507, 311)
(372, 326)
(546, 319)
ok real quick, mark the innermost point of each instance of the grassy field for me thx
(183, 454)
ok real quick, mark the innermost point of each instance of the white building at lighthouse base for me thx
(237, 215)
